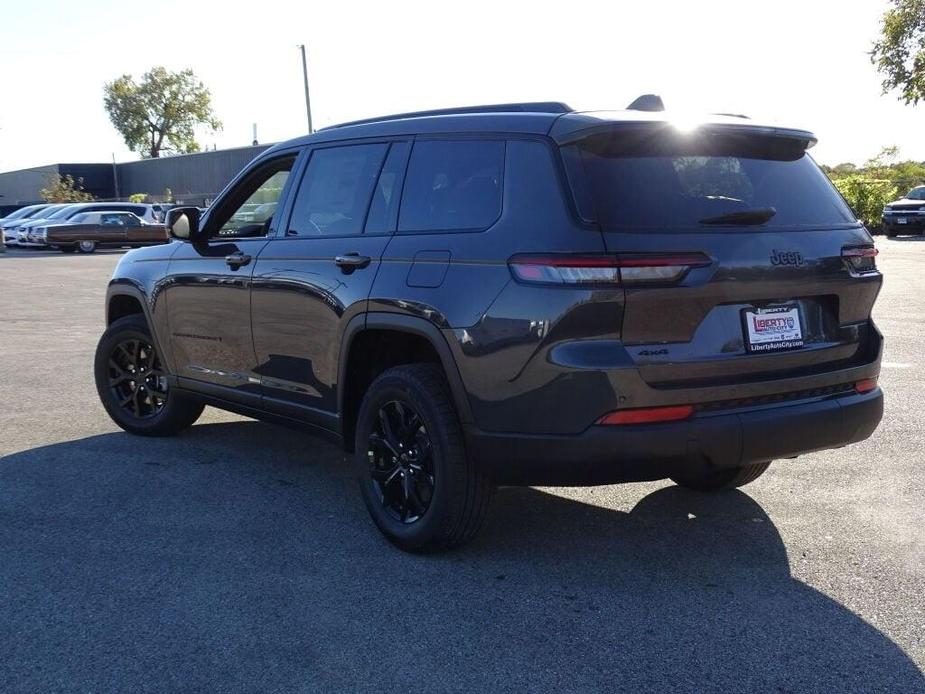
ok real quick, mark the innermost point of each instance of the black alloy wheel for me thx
(137, 381)
(401, 460)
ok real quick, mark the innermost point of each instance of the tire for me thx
(722, 480)
(86, 246)
(116, 370)
(450, 494)
(68, 249)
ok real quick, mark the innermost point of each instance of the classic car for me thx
(88, 230)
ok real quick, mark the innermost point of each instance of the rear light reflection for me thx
(860, 259)
(648, 415)
(605, 269)
(866, 386)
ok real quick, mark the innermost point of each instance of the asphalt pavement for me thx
(238, 556)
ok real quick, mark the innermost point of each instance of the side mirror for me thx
(183, 223)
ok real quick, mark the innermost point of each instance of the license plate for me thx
(772, 329)
(902, 220)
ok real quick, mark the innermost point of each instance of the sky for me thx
(802, 63)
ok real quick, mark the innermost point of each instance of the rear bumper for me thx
(610, 454)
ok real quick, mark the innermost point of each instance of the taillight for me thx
(860, 259)
(648, 415)
(866, 386)
(605, 269)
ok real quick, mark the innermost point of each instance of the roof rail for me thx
(526, 107)
(732, 115)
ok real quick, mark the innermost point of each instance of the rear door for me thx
(739, 259)
(317, 273)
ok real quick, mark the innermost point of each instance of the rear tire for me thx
(132, 383)
(721, 480)
(86, 246)
(421, 489)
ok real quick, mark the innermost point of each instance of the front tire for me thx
(132, 383)
(721, 480)
(68, 249)
(421, 489)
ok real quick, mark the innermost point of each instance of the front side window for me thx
(248, 211)
(335, 192)
(452, 185)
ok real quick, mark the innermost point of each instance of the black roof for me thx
(554, 119)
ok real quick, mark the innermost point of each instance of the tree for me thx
(64, 189)
(160, 113)
(900, 53)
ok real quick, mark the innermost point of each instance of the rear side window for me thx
(452, 185)
(335, 192)
(659, 179)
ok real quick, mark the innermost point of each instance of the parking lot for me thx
(239, 557)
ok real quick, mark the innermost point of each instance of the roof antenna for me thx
(647, 102)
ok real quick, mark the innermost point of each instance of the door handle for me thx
(237, 260)
(351, 261)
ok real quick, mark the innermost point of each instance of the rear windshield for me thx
(651, 178)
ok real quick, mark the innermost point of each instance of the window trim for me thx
(279, 234)
(296, 153)
(453, 137)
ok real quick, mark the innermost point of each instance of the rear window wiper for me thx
(743, 217)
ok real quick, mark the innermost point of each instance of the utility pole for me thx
(115, 176)
(308, 103)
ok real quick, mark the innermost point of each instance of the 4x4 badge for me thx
(786, 258)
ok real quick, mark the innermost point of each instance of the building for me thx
(187, 178)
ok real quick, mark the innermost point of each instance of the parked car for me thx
(516, 294)
(906, 215)
(28, 231)
(9, 226)
(86, 231)
(22, 213)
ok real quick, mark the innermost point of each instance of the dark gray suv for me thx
(514, 294)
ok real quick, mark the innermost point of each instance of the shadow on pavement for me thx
(238, 557)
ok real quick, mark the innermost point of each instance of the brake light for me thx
(865, 386)
(648, 415)
(860, 258)
(605, 269)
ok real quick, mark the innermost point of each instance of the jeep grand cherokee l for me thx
(517, 294)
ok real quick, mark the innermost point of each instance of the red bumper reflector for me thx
(648, 415)
(865, 386)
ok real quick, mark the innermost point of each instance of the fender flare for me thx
(124, 287)
(413, 325)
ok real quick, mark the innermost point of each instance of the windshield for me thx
(24, 212)
(916, 194)
(649, 178)
(62, 212)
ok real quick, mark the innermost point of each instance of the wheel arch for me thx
(408, 327)
(124, 298)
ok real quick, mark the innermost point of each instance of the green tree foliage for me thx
(159, 114)
(882, 179)
(64, 189)
(900, 53)
(137, 197)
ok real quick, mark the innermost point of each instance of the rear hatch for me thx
(767, 272)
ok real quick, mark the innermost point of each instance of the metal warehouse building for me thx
(191, 178)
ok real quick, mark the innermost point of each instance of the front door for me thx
(208, 284)
(317, 273)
